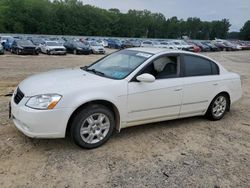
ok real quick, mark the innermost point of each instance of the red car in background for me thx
(195, 47)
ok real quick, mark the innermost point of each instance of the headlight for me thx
(44, 102)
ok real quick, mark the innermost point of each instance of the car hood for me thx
(97, 47)
(27, 46)
(61, 81)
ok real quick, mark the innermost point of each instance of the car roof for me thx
(153, 50)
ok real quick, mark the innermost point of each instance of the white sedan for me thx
(52, 48)
(127, 88)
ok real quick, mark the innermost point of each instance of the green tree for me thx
(245, 31)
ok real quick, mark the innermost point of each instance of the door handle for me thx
(215, 84)
(178, 89)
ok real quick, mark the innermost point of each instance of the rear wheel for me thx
(92, 126)
(218, 107)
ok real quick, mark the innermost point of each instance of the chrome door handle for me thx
(178, 89)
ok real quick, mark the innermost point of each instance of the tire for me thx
(218, 107)
(96, 132)
(48, 53)
(75, 52)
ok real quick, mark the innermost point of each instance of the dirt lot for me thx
(191, 152)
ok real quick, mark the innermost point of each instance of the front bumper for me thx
(83, 51)
(27, 51)
(39, 123)
(99, 51)
(57, 52)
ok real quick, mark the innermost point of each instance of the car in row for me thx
(97, 45)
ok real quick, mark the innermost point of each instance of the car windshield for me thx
(52, 43)
(120, 64)
(24, 42)
(80, 44)
(95, 44)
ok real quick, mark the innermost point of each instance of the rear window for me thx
(198, 66)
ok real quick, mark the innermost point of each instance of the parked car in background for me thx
(1, 49)
(52, 48)
(168, 45)
(77, 47)
(37, 41)
(96, 48)
(3, 39)
(103, 42)
(182, 45)
(8, 44)
(226, 45)
(114, 43)
(25, 47)
(211, 46)
(130, 44)
(195, 47)
(204, 48)
(147, 44)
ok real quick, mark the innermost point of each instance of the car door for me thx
(200, 83)
(158, 100)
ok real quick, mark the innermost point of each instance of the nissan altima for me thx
(126, 88)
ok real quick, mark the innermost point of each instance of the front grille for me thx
(58, 49)
(18, 96)
(29, 48)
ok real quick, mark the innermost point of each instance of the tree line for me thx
(72, 17)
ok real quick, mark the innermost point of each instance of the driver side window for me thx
(164, 67)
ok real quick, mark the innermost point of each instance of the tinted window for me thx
(197, 66)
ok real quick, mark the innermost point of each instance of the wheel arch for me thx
(225, 93)
(106, 103)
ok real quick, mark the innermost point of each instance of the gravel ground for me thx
(192, 152)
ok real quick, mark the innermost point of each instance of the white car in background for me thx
(126, 88)
(181, 45)
(104, 43)
(147, 44)
(96, 48)
(52, 48)
(168, 45)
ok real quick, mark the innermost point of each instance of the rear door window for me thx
(198, 66)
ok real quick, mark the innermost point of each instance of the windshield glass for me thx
(53, 44)
(120, 64)
(24, 42)
(95, 44)
(80, 44)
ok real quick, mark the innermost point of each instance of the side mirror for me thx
(145, 78)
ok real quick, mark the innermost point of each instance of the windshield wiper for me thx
(93, 70)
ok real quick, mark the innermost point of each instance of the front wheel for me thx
(218, 107)
(92, 126)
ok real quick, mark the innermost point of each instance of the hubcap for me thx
(219, 106)
(95, 128)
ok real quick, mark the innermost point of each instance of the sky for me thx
(237, 11)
